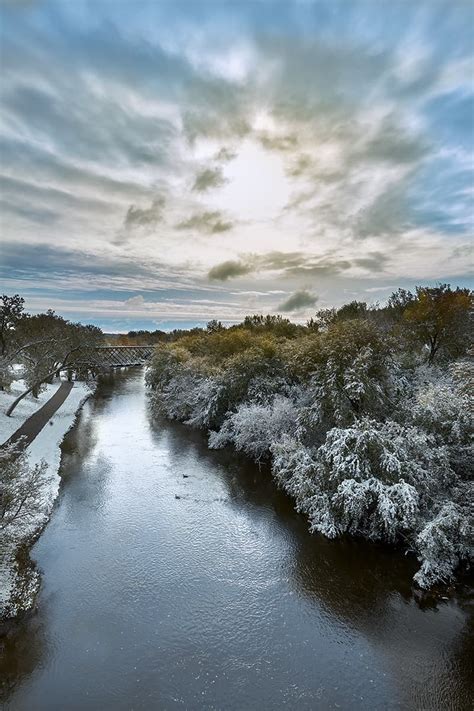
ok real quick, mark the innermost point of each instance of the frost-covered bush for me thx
(255, 375)
(444, 407)
(295, 469)
(21, 488)
(446, 542)
(188, 397)
(194, 391)
(370, 479)
(382, 482)
(253, 428)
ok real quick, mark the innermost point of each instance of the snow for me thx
(45, 447)
(24, 409)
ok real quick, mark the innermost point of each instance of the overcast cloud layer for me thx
(169, 163)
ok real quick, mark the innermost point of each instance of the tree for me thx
(356, 309)
(11, 311)
(440, 319)
(46, 343)
(214, 326)
(20, 487)
(253, 428)
(399, 301)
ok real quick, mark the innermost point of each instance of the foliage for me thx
(41, 343)
(20, 487)
(439, 318)
(362, 430)
(445, 543)
(253, 428)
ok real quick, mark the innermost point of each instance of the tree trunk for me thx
(32, 389)
(37, 384)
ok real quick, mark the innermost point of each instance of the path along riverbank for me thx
(38, 427)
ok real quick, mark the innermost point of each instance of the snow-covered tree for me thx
(20, 487)
(253, 428)
(446, 542)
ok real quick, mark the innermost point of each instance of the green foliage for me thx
(441, 319)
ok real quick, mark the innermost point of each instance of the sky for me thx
(166, 163)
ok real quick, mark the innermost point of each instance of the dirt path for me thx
(34, 424)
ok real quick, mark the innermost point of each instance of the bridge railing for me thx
(111, 356)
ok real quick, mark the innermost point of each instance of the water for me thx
(218, 599)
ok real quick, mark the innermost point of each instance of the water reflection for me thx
(177, 576)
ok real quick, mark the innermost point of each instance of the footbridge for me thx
(97, 358)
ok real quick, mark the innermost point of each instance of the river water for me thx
(179, 578)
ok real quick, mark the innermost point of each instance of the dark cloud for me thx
(284, 143)
(210, 222)
(224, 155)
(296, 264)
(298, 301)
(300, 165)
(290, 264)
(83, 126)
(145, 217)
(281, 260)
(42, 166)
(229, 270)
(392, 143)
(373, 262)
(209, 178)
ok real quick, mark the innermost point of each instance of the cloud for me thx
(229, 270)
(209, 178)
(224, 155)
(298, 301)
(207, 222)
(288, 264)
(278, 142)
(143, 217)
(134, 302)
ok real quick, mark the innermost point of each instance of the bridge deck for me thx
(112, 356)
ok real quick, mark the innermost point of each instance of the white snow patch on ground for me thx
(45, 447)
(24, 409)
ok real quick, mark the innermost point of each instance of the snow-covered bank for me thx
(19, 581)
(24, 409)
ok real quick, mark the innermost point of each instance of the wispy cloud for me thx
(209, 178)
(210, 222)
(147, 216)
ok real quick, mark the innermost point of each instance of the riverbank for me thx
(19, 579)
(175, 576)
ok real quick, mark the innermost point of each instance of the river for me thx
(175, 577)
